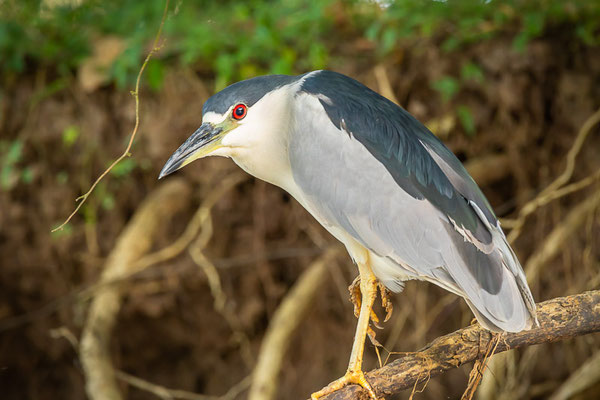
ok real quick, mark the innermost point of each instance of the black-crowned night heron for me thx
(379, 181)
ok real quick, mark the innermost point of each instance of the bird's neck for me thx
(267, 163)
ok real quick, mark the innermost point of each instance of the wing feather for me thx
(411, 236)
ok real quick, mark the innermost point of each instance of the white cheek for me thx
(239, 137)
(214, 118)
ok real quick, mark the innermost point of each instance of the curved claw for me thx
(386, 302)
(372, 337)
(355, 295)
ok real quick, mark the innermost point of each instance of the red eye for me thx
(239, 111)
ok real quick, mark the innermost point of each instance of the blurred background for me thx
(507, 85)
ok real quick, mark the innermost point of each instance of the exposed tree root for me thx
(135, 241)
(284, 323)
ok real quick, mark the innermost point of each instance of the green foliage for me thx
(123, 168)
(447, 87)
(462, 22)
(11, 154)
(471, 72)
(108, 201)
(62, 177)
(66, 231)
(155, 74)
(237, 40)
(70, 135)
(27, 175)
(244, 39)
(51, 38)
(465, 116)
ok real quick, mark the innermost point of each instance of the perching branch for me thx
(561, 318)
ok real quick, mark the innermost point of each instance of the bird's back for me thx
(370, 167)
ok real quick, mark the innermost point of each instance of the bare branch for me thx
(176, 394)
(133, 243)
(555, 241)
(561, 318)
(150, 387)
(548, 194)
(284, 322)
(159, 256)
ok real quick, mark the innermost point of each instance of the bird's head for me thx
(242, 121)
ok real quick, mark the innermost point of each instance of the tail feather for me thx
(493, 284)
(514, 266)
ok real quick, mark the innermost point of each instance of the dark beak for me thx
(200, 144)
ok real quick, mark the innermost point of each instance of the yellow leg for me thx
(354, 374)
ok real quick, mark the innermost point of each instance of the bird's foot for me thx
(351, 377)
(386, 303)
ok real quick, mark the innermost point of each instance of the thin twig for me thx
(192, 228)
(155, 47)
(174, 394)
(221, 305)
(558, 237)
(548, 193)
(479, 367)
(557, 194)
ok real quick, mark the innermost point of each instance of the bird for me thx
(380, 182)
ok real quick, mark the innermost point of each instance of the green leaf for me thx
(27, 175)
(317, 56)
(62, 177)
(589, 34)
(447, 87)
(471, 72)
(155, 74)
(534, 23)
(451, 44)
(123, 168)
(108, 202)
(65, 231)
(520, 42)
(466, 119)
(70, 135)
(13, 155)
(388, 40)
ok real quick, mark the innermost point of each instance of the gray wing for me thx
(352, 188)
(405, 147)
